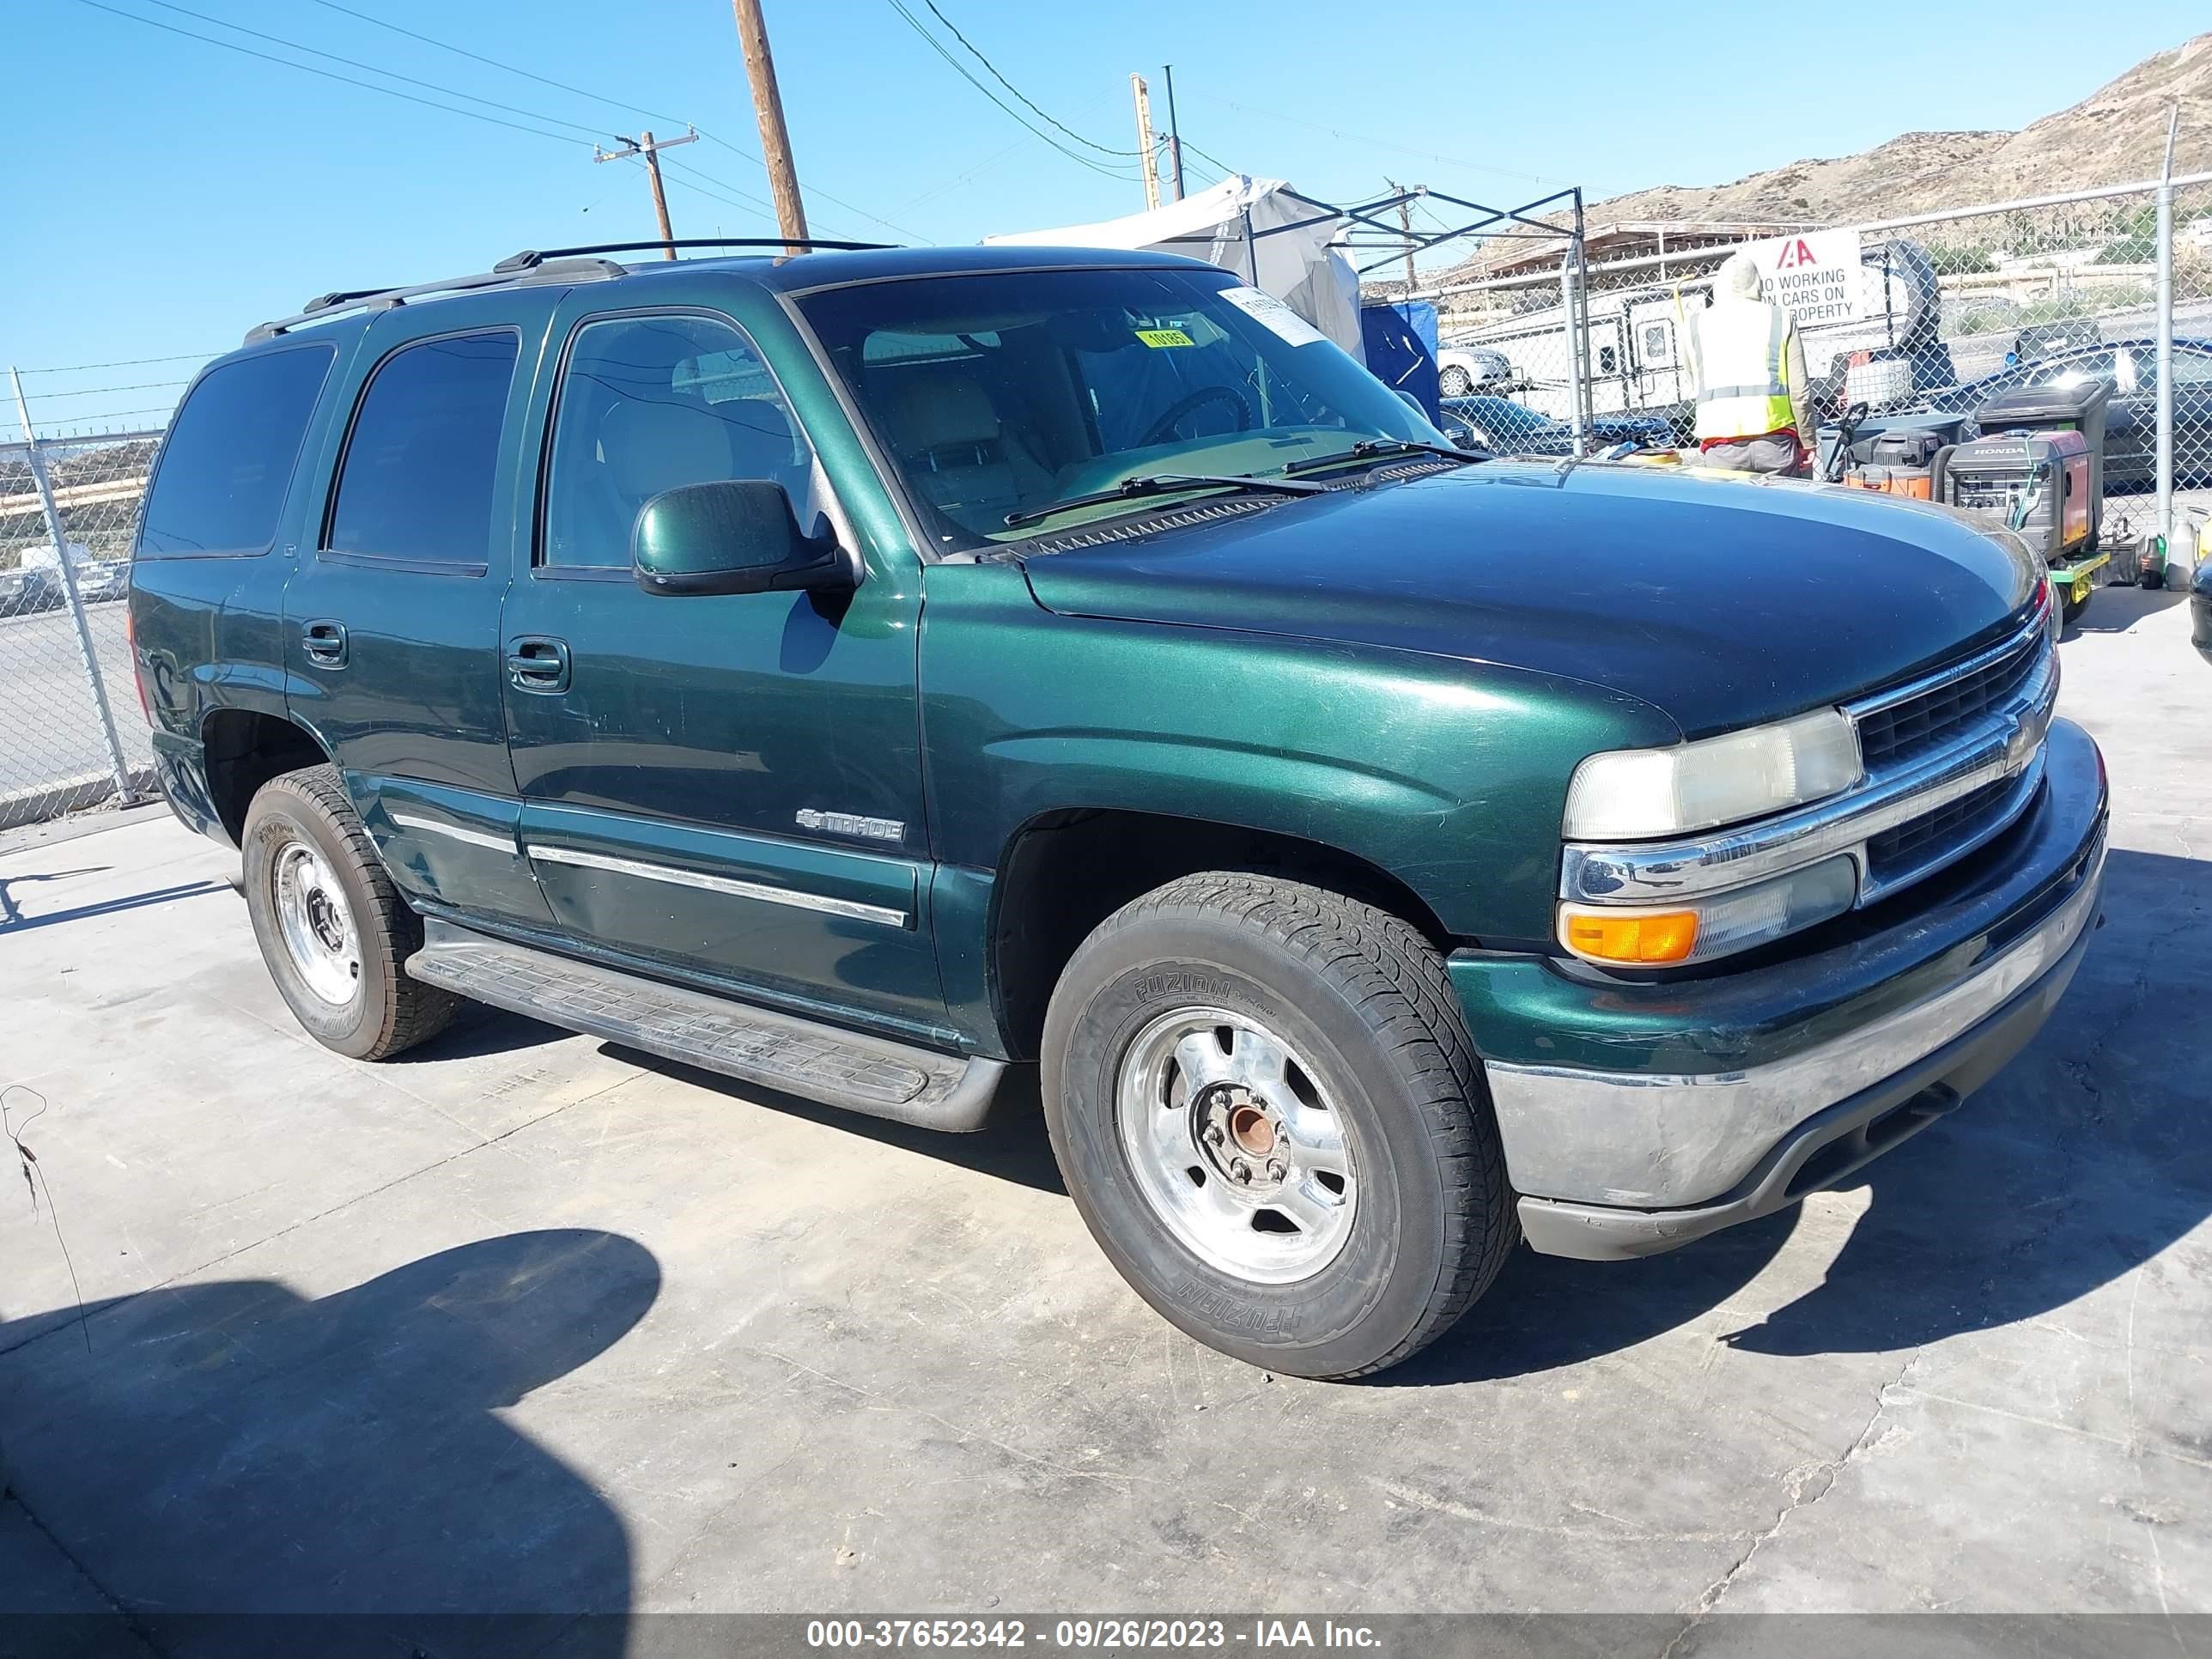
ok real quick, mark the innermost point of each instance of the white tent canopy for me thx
(1239, 225)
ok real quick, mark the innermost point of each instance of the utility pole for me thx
(776, 142)
(643, 145)
(1175, 135)
(1143, 98)
(1405, 224)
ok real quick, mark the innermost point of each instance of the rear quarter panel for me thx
(206, 628)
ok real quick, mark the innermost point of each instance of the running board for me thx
(800, 1057)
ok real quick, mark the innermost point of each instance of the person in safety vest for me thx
(1753, 411)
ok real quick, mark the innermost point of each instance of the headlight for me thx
(1638, 794)
(1622, 936)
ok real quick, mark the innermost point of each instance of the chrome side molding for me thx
(678, 877)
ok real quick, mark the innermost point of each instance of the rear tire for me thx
(332, 929)
(1455, 382)
(1323, 1036)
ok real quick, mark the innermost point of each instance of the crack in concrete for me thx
(1799, 1484)
(8, 1495)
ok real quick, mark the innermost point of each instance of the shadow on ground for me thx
(216, 1453)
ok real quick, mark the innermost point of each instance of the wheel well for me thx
(245, 749)
(1065, 872)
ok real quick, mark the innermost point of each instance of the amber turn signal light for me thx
(1645, 937)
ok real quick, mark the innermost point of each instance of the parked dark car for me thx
(864, 673)
(1505, 428)
(2040, 340)
(2131, 417)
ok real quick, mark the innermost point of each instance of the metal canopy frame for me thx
(1522, 222)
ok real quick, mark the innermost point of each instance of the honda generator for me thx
(2038, 471)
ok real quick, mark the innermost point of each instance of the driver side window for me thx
(647, 403)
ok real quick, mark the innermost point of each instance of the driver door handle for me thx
(324, 642)
(539, 664)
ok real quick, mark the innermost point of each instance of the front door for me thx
(391, 630)
(726, 786)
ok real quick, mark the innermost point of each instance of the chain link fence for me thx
(1551, 351)
(71, 734)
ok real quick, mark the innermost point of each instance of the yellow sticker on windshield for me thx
(1164, 337)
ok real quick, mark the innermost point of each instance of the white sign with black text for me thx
(1814, 275)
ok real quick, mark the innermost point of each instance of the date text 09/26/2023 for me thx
(1089, 1634)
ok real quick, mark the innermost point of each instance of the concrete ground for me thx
(526, 1323)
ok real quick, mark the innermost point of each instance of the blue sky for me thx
(165, 194)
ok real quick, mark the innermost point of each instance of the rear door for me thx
(392, 615)
(726, 786)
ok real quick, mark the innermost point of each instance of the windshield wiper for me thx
(1154, 483)
(1371, 449)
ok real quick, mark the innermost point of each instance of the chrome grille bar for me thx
(2004, 742)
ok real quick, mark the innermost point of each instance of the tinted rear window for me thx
(417, 483)
(230, 455)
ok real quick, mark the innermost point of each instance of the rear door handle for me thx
(325, 643)
(537, 663)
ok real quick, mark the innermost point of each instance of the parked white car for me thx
(1463, 369)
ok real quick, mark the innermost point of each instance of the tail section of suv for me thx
(863, 672)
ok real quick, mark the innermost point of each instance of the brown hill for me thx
(2116, 134)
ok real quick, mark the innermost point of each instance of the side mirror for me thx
(732, 535)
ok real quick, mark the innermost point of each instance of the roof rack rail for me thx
(529, 257)
(541, 269)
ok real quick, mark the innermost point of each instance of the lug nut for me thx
(1242, 1171)
(1275, 1170)
(1214, 1135)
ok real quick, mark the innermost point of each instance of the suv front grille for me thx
(1923, 724)
(1903, 850)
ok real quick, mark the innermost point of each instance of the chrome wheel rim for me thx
(316, 923)
(1234, 1145)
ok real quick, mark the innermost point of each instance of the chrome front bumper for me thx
(1627, 1161)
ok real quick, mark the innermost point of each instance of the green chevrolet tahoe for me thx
(869, 673)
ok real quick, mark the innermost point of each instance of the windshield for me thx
(997, 395)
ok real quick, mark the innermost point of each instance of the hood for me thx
(1721, 601)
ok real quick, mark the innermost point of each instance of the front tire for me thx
(334, 932)
(1264, 1101)
(1455, 382)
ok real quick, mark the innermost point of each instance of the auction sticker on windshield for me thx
(1164, 337)
(1272, 313)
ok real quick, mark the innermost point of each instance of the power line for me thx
(734, 194)
(111, 415)
(734, 197)
(962, 71)
(612, 103)
(1380, 144)
(1224, 166)
(391, 74)
(393, 92)
(91, 391)
(955, 31)
(498, 63)
(990, 161)
(327, 74)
